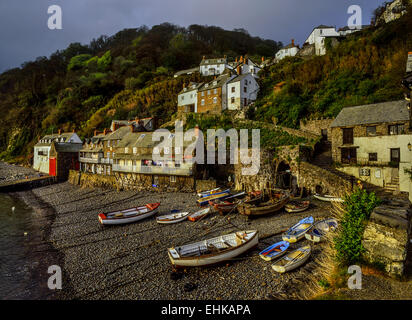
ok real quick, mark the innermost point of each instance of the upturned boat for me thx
(328, 198)
(274, 251)
(129, 215)
(320, 229)
(292, 260)
(172, 218)
(275, 204)
(213, 251)
(220, 195)
(297, 206)
(199, 214)
(297, 232)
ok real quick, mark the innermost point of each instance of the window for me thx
(182, 98)
(371, 131)
(156, 150)
(245, 102)
(347, 135)
(208, 92)
(178, 150)
(348, 155)
(233, 89)
(203, 93)
(245, 89)
(215, 100)
(245, 82)
(395, 155)
(233, 100)
(173, 179)
(134, 150)
(203, 102)
(177, 164)
(373, 156)
(396, 129)
(215, 91)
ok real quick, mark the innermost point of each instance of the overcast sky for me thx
(24, 34)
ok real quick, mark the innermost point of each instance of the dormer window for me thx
(214, 83)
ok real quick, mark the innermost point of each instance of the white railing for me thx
(89, 160)
(153, 170)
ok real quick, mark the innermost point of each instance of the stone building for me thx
(91, 155)
(212, 96)
(56, 154)
(374, 143)
(318, 126)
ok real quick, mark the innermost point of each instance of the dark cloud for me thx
(24, 34)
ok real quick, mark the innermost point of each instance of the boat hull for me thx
(216, 258)
(263, 210)
(328, 198)
(288, 267)
(128, 220)
(161, 220)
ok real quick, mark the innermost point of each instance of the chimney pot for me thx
(293, 42)
(263, 59)
(95, 132)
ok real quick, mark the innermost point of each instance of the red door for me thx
(52, 167)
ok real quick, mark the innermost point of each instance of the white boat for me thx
(292, 260)
(172, 218)
(298, 231)
(328, 198)
(129, 215)
(199, 214)
(320, 229)
(212, 251)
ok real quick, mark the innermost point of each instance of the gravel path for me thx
(131, 262)
(9, 172)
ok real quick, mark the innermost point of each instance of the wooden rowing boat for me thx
(206, 193)
(292, 260)
(199, 214)
(271, 206)
(297, 232)
(205, 200)
(274, 251)
(297, 206)
(212, 251)
(172, 218)
(228, 204)
(129, 215)
(254, 197)
(328, 198)
(320, 229)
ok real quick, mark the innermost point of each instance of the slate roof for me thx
(217, 83)
(54, 137)
(240, 78)
(192, 86)
(118, 134)
(386, 112)
(206, 62)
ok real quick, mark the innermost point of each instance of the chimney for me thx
(204, 57)
(241, 59)
(239, 70)
(95, 132)
(59, 132)
(263, 59)
(104, 131)
(236, 60)
(293, 42)
(196, 131)
(73, 130)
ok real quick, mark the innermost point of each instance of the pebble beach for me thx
(131, 261)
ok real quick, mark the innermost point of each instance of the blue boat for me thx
(274, 251)
(298, 231)
(205, 200)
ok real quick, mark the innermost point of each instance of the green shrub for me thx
(348, 243)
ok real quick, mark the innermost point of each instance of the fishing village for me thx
(127, 216)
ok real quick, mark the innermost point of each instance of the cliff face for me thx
(393, 11)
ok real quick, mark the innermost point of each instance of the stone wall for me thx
(316, 126)
(386, 237)
(202, 185)
(133, 181)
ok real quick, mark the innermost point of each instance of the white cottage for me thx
(187, 98)
(318, 36)
(288, 51)
(211, 67)
(241, 91)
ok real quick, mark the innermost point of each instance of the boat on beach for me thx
(206, 193)
(328, 198)
(172, 218)
(297, 206)
(220, 195)
(214, 250)
(297, 232)
(321, 228)
(274, 251)
(199, 214)
(275, 204)
(228, 204)
(129, 215)
(254, 197)
(292, 260)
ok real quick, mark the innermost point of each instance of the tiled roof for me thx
(386, 112)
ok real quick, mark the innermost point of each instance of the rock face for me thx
(386, 237)
(393, 10)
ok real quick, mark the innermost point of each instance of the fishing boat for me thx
(220, 195)
(199, 214)
(298, 231)
(225, 206)
(206, 193)
(172, 218)
(212, 251)
(292, 260)
(320, 229)
(129, 215)
(254, 197)
(297, 206)
(274, 251)
(275, 204)
(328, 198)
